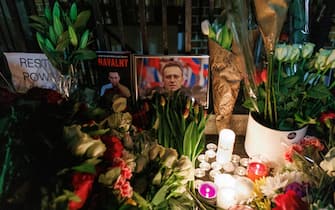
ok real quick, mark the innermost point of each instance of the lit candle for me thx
(225, 146)
(202, 158)
(224, 181)
(210, 154)
(199, 173)
(216, 165)
(228, 167)
(226, 198)
(244, 162)
(241, 171)
(256, 170)
(213, 174)
(211, 146)
(205, 166)
(235, 159)
(207, 190)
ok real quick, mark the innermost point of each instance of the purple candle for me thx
(207, 190)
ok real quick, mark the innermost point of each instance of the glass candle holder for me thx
(197, 183)
(207, 190)
(205, 166)
(202, 158)
(213, 174)
(216, 165)
(211, 146)
(256, 170)
(210, 155)
(240, 171)
(235, 159)
(199, 173)
(244, 162)
(228, 167)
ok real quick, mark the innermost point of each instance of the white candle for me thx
(205, 166)
(209, 154)
(226, 198)
(213, 174)
(244, 162)
(244, 188)
(225, 146)
(202, 158)
(224, 181)
(216, 165)
(228, 167)
(199, 173)
(211, 146)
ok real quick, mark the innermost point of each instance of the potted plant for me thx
(64, 38)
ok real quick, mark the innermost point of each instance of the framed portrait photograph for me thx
(172, 72)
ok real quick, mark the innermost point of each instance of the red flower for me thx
(290, 152)
(289, 201)
(114, 148)
(82, 183)
(327, 116)
(313, 142)
(54, 97)
(261, 77)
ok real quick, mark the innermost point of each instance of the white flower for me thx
(328, 164)
(281, 52)
(205, 25)
(307, 50)
(272, 185)
(321, 58)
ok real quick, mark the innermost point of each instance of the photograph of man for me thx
(173, 78)
(113, 89)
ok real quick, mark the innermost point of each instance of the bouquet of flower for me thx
(306, 181)
(292, 91)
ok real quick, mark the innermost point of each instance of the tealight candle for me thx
(211, 146)
(199, 173)
(210, 154)
(244, 162)
(226, 198)
(224, 181)
(216, 165)
(241, 171)
(256, 170)
(228, 167)
(207, 190)
(205, 166)
(235, 159)
(213, 174)
(225, 146)
(202, 158)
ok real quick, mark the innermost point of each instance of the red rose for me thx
(261, 77)
(289, 201)
(114, 147)
(82, 183)
(327, 116)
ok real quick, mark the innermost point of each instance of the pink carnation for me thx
(290, 152)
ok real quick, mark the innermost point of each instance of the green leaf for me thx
(73, 36)
(58, 27)
(73, 12)
(160, 195)
(49, 46)
(82, 19)
(52, 35)
(47, 14)
(82, 54)
(319, 92)
(290, 82)
(86, 168)
(84, 39)
(56, 10)
(40, 40)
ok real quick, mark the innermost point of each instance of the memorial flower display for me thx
(305, 181)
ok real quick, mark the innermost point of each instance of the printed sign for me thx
(31, 70)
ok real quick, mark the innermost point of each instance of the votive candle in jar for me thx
(216, 165)
(235, 159)
(207, 190)
(199, 173)
(210, 155)
(228, 167)
(202, 158)
(197, 183)
(226, 198)
(244, 162)
(240, 170)
(211, 146)
(205, 166)
(257, 170)
(213, 174)
(225, 146)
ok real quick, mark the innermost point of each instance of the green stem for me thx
(5, 166)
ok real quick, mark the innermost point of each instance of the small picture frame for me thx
(148, 75)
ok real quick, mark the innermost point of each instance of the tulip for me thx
(307, 50)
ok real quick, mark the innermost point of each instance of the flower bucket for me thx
(269, 144)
